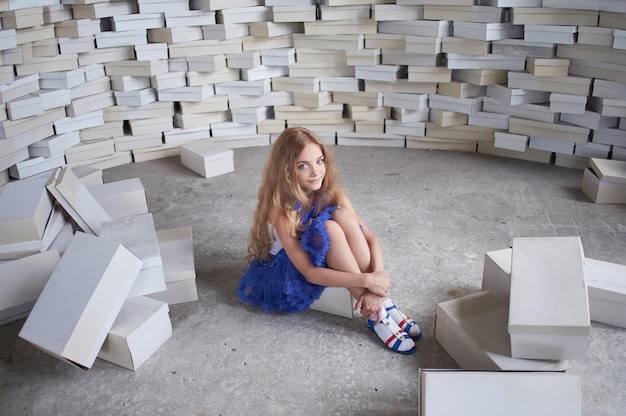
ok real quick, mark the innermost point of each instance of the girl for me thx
(306, 235)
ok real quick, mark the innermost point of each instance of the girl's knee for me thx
(333, 228)
(343, 216)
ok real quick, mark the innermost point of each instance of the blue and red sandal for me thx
(392, 335)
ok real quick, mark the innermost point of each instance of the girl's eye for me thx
(302, 166)
(320, 161)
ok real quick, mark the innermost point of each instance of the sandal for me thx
(392, 335)
(405, 323)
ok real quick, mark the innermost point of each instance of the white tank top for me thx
(277, 245)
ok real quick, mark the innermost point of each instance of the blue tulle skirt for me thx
(277, 284)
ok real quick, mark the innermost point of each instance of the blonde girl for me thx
(306, 236)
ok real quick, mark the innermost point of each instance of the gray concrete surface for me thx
(436, 214)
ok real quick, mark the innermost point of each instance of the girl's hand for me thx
(379, 283)
(371, 306)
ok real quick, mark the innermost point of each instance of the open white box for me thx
(140, 329)
(473, 331)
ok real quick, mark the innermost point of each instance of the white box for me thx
(606, 285)
(123, 198)
(337, 301)
(602, 191)
(176, 245)
(140, 329)
(22, 281)
(549, 306)
(75, 198)
(516, 142)
(462, 392)
(473, 331)
(25, 206)
(96, 275)
(497, 274)
(206, 158)
(137, 233)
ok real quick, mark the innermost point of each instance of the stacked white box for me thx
(176, 245)
(22, 282)
(549, 307)
(138, 234)
(141, 327)
(97, 275)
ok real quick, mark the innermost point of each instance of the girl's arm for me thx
(375, 281)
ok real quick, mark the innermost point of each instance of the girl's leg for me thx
(354, 248)
(341, 257)
(354, 237)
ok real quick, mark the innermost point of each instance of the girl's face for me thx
(310, 168)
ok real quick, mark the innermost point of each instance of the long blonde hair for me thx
(279, 192)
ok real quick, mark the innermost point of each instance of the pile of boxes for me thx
(530, 318)
(115, 82)
(82, 260)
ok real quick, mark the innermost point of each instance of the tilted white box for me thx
(25, 206)
(142, 326)
(206, 158)
(473, 331)
(84, 294)
(549, 306)
(123, 198)
(22, 281)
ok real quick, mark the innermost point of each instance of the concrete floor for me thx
(436, 214)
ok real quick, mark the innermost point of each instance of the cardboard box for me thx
(549, 306)
(22, 281)
(336, 301)
(602, 191)
(96, 274)
(142, 326)
(206, 158)
(473, 331)
(462, 392)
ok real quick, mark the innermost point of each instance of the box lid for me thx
(548, 291)
(609, 170)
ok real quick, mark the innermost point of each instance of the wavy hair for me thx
(280, 194)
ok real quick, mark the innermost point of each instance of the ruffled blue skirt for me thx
(277, 284)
